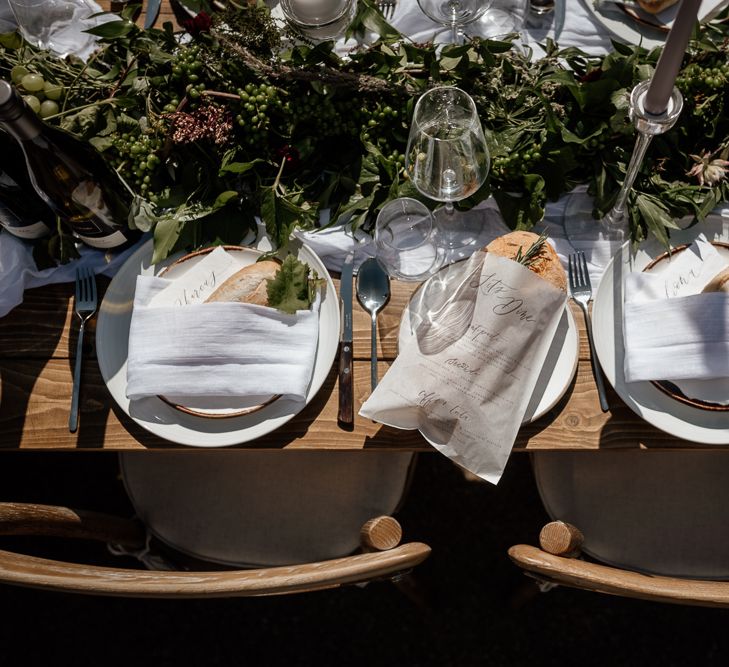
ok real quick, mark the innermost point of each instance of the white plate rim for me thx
(626, 28)
(644, 398)
(629, 29)
(558, 383)
(178, 427)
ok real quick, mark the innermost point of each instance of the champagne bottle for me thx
(22, 212)
(70, 176)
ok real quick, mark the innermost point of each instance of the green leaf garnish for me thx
(289, 289)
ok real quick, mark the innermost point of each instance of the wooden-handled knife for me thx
(346, 386)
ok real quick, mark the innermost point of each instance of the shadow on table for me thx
(30, 368)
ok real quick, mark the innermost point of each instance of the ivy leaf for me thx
(141, 214)
(166, 232)
(112, 29)
(368, 17)
(279, 215)
(656, 216)
(223, 198)
(288, 290)
(101, 143)
(449, 63)
(11, 40)
(239, 167)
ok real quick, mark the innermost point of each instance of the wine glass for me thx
(447, 160)
(454, 13)
(502, 18)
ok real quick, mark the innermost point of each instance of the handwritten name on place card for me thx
(197, 284)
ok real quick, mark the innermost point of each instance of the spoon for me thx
(373, 292)
(540, 7)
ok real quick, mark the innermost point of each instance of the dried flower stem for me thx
(327, 75)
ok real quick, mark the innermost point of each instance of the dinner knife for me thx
(346, 388)
(153, 7)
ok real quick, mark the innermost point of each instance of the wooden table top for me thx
(38, 338)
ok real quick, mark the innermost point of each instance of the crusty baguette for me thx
(546, 265)
(655, 6)
(719, 283)
(249, 285)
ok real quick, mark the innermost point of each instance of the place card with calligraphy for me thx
(675, 322)
(466, 378)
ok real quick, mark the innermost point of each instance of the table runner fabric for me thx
(218, 349)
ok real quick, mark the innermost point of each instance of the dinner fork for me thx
(85, 308)
(581, 291)
(386, 7)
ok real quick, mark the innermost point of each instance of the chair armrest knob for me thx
(380, 534)
(561, 539)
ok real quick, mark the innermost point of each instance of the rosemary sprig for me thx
(534, 250)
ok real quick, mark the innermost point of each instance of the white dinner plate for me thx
(645, 398)
(631, 30)
(557, 371)
(160, 418)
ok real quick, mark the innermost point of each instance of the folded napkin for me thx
(466, 377)
(218, 349)
(671, 330)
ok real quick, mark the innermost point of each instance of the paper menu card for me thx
(674, 332)
(467, 376)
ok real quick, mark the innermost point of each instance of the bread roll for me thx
(546, 265)
(719, 283)
(249, 285)
(656, 6)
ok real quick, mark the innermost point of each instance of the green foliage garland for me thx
(242, 121)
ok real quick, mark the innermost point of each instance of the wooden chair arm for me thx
(49, 520)
(380, 534)
(605, 579)
(71, 577)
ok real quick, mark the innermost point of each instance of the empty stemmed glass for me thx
(447, 160)
(454, 14)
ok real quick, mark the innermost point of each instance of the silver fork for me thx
(85, 308)
(386, 7)
(581, 291)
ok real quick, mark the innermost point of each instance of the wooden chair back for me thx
(382, 557)
(558, 561)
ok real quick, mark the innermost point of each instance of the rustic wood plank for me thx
(43, 326)
(165, 12)
(35, 372)
(36, 394)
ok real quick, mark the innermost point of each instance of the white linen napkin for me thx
(671, 331)
(466, 378)
(218, 349)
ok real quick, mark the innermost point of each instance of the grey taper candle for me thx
(659, 92)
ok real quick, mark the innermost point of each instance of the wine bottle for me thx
(22, 212)
(70, 176)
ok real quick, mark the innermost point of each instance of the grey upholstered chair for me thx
(658, 520)
(297, 517)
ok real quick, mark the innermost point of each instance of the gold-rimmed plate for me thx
(649, 31)
(560, 363)
(679, 418)
(701, 394)
(161, 419)
(215, 407)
